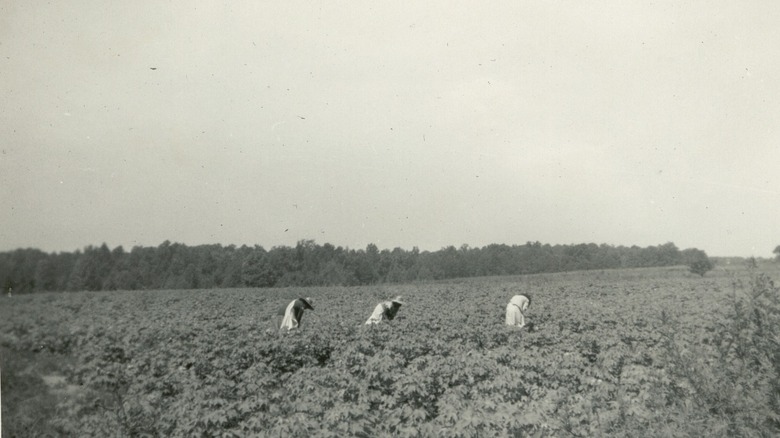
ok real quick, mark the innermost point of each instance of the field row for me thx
(602, 358)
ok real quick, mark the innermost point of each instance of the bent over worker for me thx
(515, 310)
(294, 313)
(385, 310)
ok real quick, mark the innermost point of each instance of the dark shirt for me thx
(297, 310)
(391, 311)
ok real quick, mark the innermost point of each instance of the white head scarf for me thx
(521, 301)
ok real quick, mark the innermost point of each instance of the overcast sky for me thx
(397, 123)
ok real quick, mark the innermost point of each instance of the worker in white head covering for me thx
(385, 310)
(294, 313)
(515, 310)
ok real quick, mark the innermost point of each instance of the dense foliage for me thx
(177, 266)
(698, 262)
(612, 353)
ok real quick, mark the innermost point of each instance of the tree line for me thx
(178, 266)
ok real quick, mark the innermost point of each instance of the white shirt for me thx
(382, 311)
(515, 310)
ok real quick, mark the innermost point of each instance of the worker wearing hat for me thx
(294, 313)
(385, 310)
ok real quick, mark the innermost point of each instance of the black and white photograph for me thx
(389, 219)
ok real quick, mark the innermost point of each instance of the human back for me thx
(294, 313)
(515, 310)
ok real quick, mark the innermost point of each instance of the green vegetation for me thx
(29, 404)
(177, 266)
(641, 352)
(697, 261)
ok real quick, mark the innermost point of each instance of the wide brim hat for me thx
(398, 300)
(307, 303)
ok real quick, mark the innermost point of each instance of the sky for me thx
(402, 124)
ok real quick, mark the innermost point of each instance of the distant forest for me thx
(178, 266)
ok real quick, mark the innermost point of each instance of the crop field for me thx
(645, 352)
